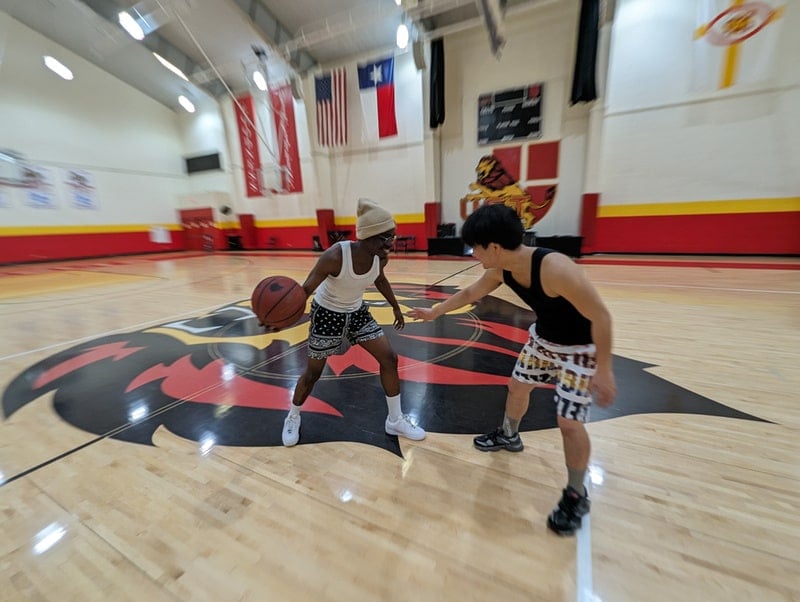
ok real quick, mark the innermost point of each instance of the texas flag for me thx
(376, 83)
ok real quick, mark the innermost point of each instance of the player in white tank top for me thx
(340, 277)
(345, 291)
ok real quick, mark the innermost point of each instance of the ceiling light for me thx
(402, 36)
(130, 25)
(398, 2)
(170, 66)
(57, 67)
(186, 103)
(259, 80)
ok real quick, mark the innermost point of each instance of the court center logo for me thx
(220, 378)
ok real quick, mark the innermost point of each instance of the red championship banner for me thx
(286, 135)
(245, 120)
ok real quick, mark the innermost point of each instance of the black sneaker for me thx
(497, 439)
(565, 519)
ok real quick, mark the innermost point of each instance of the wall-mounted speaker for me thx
(197, 163)
(418, 50)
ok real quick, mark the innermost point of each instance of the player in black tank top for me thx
(570, 343)
(557, 320)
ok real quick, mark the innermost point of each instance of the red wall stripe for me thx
(21, 249)
(739, 234)
(33, 248)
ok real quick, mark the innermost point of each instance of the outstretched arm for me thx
(489, 281)
(562, 277)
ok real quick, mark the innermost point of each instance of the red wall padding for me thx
(738, 233)
(22, 249)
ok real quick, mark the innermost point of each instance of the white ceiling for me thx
(214, 41)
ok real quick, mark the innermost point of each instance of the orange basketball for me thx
(278, 302)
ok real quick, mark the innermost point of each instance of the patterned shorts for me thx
(570, 367)
(328, 329)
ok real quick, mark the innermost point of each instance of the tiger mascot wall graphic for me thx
(220, 377)
(495, 185)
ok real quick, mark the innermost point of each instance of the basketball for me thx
(278, 302)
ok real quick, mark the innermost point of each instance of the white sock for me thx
(395, 411)
(295, 411)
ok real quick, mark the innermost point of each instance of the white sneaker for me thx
(403, 427)
(291, 430)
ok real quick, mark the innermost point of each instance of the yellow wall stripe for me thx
(304, 222)
(83, 229)
(407, 218)
(785, 205)
(400, 218)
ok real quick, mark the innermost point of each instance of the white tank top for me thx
(345, 292)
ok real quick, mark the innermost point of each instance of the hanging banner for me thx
(736, 42)
(376, 84)
(286, 136)
(331, 92)
(80, 185)
(248, 141)
(40, 188)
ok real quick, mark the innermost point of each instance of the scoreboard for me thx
(510, 114)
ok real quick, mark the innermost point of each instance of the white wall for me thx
(665, 139)
(129, 143)
(272, 206)
(540, 48)
(204, 133)
(393, 171)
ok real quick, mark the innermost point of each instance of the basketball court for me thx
(140, 453)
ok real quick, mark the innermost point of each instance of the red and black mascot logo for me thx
(220, 375)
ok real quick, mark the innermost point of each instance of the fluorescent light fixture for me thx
(57, 67)
(186, 103)
(130, 25)
(259, 80)
(402, 36)
(170, 66)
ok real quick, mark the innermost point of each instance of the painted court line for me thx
(108, 332)
(583, 561)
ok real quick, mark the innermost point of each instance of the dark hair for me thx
(497, 223)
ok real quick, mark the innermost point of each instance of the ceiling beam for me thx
(273, 30)
(155, 43)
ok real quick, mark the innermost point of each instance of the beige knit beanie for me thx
(372, 219)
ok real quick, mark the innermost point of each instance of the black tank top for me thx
(557, 320)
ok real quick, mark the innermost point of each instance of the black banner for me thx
(583, 79)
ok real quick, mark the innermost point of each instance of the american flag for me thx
(331, 90)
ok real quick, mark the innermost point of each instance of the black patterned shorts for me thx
(328, 329)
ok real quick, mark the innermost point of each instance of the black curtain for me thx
(583, 79)
(437, 83)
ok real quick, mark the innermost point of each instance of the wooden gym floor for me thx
(140, 452)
